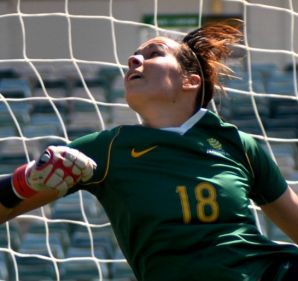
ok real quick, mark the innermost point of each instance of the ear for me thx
(191, 82)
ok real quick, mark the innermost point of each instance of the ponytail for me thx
(202, 52)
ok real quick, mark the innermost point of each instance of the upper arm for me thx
(267, 183)
(284, 213)
(271, 191)
(38, 200)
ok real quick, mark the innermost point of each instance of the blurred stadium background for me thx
(61, 66)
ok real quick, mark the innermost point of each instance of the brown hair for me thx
(202, 52)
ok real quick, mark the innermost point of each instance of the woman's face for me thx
(154, 75)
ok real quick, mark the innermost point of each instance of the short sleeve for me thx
(95, 146)
(269, 184)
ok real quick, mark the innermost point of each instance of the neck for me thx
(164, 113)
(164, 118)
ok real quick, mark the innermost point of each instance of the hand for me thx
(59, 167)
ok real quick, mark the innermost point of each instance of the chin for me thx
(132, 100)
(132, 95)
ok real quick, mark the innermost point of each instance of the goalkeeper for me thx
(177, 188)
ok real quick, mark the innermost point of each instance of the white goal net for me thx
(61, 66)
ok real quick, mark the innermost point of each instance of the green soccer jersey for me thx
(178, 199)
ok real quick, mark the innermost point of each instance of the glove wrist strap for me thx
(19, 183)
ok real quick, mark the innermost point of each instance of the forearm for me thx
(40, 199)
(35, 184)
(9, 198)
(11, 205)
(4, 213)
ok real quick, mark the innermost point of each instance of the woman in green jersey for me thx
(177, 188)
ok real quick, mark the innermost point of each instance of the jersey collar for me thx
(188, 124)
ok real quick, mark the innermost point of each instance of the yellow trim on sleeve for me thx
(249, 164)
(108, 159)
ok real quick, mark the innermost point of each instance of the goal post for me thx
(61, 70)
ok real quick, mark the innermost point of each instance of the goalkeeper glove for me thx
(59, 167)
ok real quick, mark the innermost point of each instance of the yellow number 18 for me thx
(205, 194)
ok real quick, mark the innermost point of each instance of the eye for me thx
(154, 54)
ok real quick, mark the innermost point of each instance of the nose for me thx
(135, 61)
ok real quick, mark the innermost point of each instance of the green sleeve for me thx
(96, 146)
(269, 184)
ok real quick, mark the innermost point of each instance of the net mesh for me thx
(53, 95)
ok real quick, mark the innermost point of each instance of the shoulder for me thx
(255, 150)
(269, 182)
(100, 138)
(250, 144)
(255, 153)
(96, 145)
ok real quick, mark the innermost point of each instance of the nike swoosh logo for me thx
(137, 154)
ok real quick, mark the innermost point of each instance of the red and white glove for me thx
(59, 167)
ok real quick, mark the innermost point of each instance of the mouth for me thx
(134, 76)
